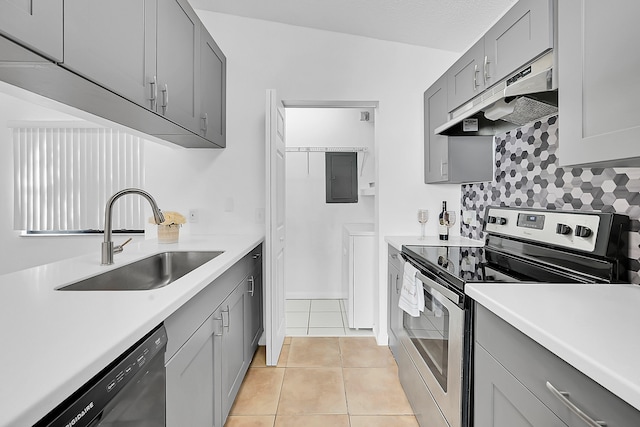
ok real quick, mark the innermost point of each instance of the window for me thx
(64, 176)
(341, 177)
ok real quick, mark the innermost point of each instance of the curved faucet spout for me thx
(107, 246)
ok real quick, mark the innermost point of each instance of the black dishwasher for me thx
(129, 392)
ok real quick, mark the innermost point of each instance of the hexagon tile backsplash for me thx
(527, 174)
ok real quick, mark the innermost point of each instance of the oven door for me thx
(435, 342)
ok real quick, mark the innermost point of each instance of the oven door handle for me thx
(430, 283)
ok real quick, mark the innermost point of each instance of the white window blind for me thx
(63, 178)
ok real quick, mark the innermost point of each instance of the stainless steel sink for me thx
(153, 272)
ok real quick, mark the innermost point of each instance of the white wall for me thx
(308, 64)
(314, 227)
(227, 186)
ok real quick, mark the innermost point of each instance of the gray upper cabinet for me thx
(598, 63)
(148, 52)
(113, 43)
(522, 34)
(436, 156)
(213, 92)
(178, 69)
(465, 77)
(452, 159)
(36, 24)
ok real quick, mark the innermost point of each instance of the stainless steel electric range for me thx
(522, 245)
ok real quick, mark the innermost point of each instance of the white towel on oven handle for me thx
(411, 295)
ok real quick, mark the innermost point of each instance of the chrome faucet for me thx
(108, 250)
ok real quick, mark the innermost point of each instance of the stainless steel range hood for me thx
(524, 96)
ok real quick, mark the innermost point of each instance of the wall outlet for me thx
(193, 215)
(228, 204)
(469, 218)
(260, 216)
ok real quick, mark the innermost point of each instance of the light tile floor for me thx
(319, 317)
(323, 381)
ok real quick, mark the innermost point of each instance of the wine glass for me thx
(449, 219)
(423, 216)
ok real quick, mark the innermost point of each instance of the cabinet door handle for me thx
(256, 256)
(165, 99)
(222, 313)
(218, 330)
(205, 123)
(153, 89)
(398, 281)
(252, 282)
(563, 397)
(486, 69)
(475, 77)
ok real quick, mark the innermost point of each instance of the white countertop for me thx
(53, 341)
(398, 241)
(592, 327)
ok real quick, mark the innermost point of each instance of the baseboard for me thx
(315, 295)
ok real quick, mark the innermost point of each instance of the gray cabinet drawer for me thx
(534, 366)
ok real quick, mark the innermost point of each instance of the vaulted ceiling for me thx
(442, 24)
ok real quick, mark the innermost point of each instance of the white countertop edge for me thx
(598, 370)
(44, 394)
(359, 229)
(398, 241)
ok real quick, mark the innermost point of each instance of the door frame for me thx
(289, 104)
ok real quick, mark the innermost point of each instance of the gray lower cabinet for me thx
(254, 313)
(191, 379)
(113, 43)
(515, 378)
(394, 284)
(500, 400)
(452, 159)
(211, 342)
(233, 363)
(598, 108)
(36, 24)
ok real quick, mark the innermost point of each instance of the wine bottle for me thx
(443, 220)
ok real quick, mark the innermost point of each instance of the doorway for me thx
(316, 292)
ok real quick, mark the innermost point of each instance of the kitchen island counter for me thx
(53, 342)
(592, 327)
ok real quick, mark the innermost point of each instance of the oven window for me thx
(429, 333)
